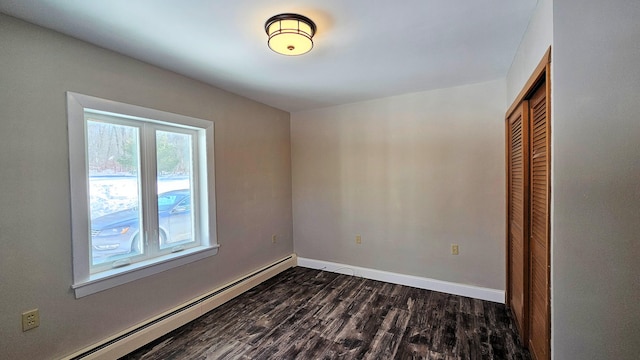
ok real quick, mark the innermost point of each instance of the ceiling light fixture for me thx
(290, 34)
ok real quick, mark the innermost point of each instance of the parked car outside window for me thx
(118, 233)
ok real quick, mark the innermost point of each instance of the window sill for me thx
(114, 277)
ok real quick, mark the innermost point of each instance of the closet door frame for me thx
(542, 73)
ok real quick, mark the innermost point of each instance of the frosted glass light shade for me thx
(290, 34)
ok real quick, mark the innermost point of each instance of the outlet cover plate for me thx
(30, 319)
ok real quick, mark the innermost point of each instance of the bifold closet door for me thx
(539, 265)
(518, 210)
(528, 135)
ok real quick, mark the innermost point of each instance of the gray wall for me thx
(253, 181)
(535, 42)
(412, 174)
(596, 179)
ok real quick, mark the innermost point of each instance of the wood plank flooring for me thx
(310, 314)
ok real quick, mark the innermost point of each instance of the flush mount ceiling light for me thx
(290, 34)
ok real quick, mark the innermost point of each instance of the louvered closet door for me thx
(517, 202)
(539, 278)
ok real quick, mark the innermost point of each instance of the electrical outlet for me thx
(274, 238)
(30, 319)
(358, 239)
(454, 249)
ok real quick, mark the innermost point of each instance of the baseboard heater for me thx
(137, 336)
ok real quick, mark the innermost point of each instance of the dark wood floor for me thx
(310, 314)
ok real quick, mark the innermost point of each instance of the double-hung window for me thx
(142, 191)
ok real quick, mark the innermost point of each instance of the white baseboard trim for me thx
(475, 292)
(141, 334)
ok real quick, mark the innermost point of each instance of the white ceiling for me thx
(364, 49)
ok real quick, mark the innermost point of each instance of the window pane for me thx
(175, 176)
(113, 163)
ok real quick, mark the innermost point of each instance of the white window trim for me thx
(85, 283)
